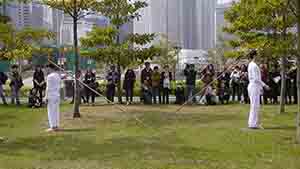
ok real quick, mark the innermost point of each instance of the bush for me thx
(23, 93)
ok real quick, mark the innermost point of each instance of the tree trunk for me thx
(298, 75)
(76, 81)
(283, 73)
(119, 86)
(283, 85)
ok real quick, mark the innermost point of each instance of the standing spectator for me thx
(244, 83)
(3, 79)
(156, 78)
(146, 75)
(82, 88)
(265, 79)
(207, 77)
(146, 91)
(190, 75)
(128, 85)
(166, 78)
(112, 81)
(90, 80)
(39, 83)
(293, 76)
(275, 84)
(288, 95)
(235, 83)
(15, 85)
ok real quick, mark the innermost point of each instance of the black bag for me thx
(3, 78)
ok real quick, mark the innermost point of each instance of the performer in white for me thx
(255, 90)
(53, 97)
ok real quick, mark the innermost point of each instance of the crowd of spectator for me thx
(218, 87)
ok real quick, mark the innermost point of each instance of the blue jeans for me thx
(2, 94)
(15, 95)
(156, 93)
(190, 93)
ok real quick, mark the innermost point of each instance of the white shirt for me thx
(166, 83)
(254, 75)
(53, 85)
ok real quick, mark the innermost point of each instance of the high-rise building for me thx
(189, 24)
(221, 8)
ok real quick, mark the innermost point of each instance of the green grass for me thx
(149, 137)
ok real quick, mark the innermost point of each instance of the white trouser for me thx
(254, 95)
(53, 111)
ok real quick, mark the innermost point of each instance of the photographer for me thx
(90, 80)
(190, 75)
(235, 83)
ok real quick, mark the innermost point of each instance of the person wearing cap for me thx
(255, 90)
(53, 97)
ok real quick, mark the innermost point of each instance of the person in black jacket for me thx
(90, 80)
(3, 79)
(275, 84)
(190, 74)
(128, 85)
(293, 76)
(112, 78)
(146, 76)
(15, 85)
(244, 83)
(39, 83)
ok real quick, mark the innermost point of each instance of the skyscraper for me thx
(187, 23)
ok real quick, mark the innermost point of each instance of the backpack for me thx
(3, 78)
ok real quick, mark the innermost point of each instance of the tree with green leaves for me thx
(169, 52)
(263, 25)
(20, 44)
(76, 9)
(115, 51)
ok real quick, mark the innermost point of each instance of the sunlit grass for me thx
(149, 137)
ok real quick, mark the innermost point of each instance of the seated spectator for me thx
(210, 96)
(180, 96)
(223, 92)
(33, 99)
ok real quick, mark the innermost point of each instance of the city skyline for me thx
(189, 24)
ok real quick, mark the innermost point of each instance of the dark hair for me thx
(147, 63)
(252, 54)
(14, 66)
(156, 67)
(52, 66)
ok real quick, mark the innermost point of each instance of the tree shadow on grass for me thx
(68, 147)
(67, 130)
(5, 118)
(289, 128)
(165, 119)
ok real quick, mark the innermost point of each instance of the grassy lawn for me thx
(149, 137)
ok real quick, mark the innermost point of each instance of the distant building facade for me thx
(189, 24)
